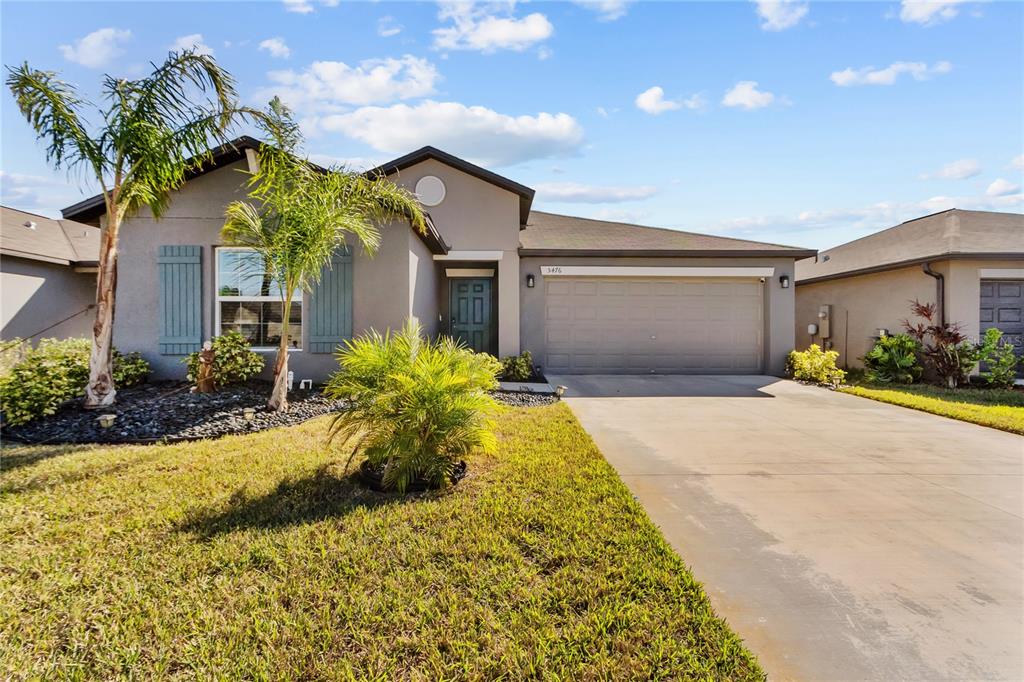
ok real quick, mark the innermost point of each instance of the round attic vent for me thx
(430, 190)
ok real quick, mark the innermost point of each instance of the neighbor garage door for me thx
(1002, 307)
(661, 325)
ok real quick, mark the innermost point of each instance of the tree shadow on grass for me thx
(324, 495)
(16, 456)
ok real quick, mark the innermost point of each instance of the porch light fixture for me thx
(106, 420)
(530, 281)
(784, 281)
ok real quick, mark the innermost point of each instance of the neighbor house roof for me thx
(550, 234)
(90, 210)
(66, 242)
(420, 155)
(950, 234)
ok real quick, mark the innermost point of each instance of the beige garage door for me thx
(661, 325)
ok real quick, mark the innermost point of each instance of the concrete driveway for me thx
(842, 538)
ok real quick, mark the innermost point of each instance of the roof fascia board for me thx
(666, 253)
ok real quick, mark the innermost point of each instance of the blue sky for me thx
(791, 122)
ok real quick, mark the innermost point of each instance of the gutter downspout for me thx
(940, 291)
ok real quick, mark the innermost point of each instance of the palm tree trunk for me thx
(100, 391)
(279, 393)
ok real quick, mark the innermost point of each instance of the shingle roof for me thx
(553, 234)
(26, 235)
(954, 233)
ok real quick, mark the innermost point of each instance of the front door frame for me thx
(490, 346)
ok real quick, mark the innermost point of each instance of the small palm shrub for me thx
(517, 367)
(54, 371)
(893, 360)
(233, 360)
(415, 405)
(815, 366)
(1000, 358)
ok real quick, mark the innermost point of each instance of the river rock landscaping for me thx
(170, 411)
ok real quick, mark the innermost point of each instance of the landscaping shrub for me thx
(55, 371)
(815, 366)
(233, 361)
(893, 359)
(949, 353)
(12, 352)
(999, 358)
(517, 367)
(416, 405)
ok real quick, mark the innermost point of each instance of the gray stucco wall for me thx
(779, 302)
(381, 297)
(476, 216)
(35, 295)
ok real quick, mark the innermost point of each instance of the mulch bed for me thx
(169, 412)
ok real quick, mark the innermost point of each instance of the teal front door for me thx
(470, 310)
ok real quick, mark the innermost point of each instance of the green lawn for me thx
(998, 408)
(255, 557)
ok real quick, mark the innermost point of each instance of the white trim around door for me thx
(1001, 273)
(641, 271)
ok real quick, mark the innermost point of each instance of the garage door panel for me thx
(1002, 307)
(642, 325)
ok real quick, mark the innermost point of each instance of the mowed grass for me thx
(257, 557)
(997, 408)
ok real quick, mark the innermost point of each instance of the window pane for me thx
(243, 273)
(260, 322)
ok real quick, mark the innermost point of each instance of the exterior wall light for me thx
(530, 281)
(784, 281)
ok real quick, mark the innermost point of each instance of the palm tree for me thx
(302, 214)
(150, 133)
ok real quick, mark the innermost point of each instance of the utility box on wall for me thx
(825, 321)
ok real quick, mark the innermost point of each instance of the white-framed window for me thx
(249, 300)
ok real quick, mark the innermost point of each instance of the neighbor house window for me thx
(249, 300)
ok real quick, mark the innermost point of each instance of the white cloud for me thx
(929, 12)
(489, 27)
(868, 75)
(326, 85)
(602, 112)
(544, 53)
(746, 95)
(305, 6)
(193, 41)
(607, 10)
(1018, 162)
(778, 15)
(1001, 187)
(98, 48)
(386, 27)
(652, 100)
(276, 47)
(955, 170)
(36, 193)
(577, 193)
(476, 133)
(355, 163)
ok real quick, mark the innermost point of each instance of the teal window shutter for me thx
(180, 269)
(331, 309)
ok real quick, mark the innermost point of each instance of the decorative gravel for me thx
(524, 398)
(169, 411)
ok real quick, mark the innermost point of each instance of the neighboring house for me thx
(585, 296)
(47, 276)
(970, 263)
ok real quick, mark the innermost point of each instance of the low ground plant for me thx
(54, 371)
(815, 366)
(517, 367)
(893, 359)
(416, 406)
(233, 360)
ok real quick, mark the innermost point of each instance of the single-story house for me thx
(969, 263)
(584, 296)
(47, 276)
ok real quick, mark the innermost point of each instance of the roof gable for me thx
(424, 153)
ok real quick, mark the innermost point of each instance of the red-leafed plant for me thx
(945, 347)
